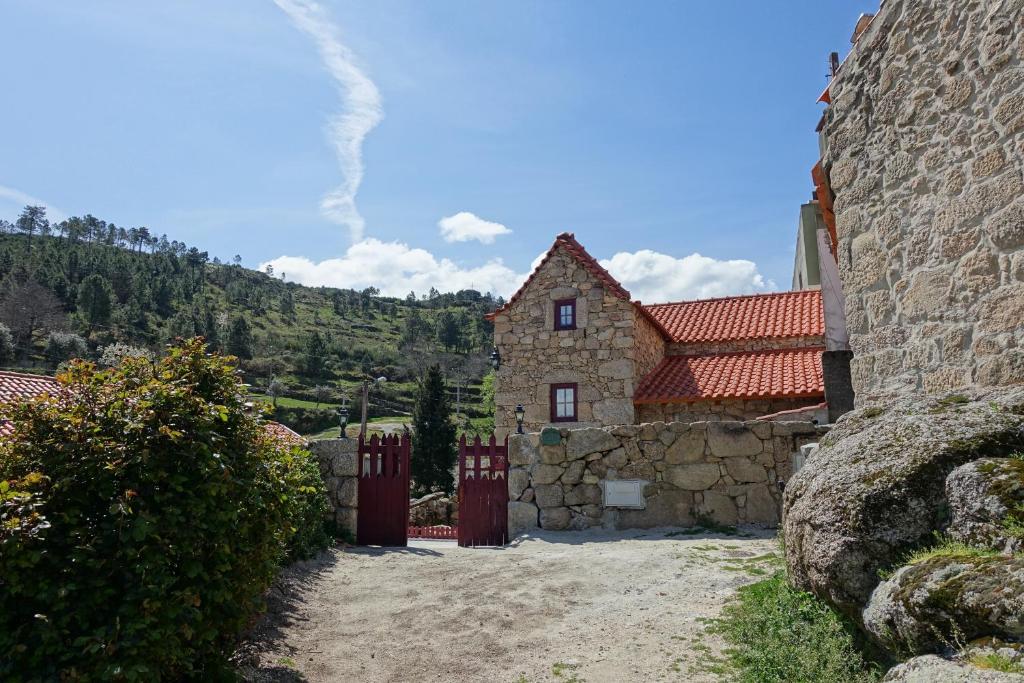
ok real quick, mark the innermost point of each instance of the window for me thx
(565, 314)
(563, 402)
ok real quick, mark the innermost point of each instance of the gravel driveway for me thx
(555, 606)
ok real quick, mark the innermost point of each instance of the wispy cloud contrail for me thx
(19, 197)
(362, 109)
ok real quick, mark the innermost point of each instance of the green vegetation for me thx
(144, 515)
(950, 548)
(873, 411)
(98, 284)
(434, 453)
(996, 662)
(779, 634)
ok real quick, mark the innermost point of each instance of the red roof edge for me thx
(567, 241)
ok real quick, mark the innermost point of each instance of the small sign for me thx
(549, 436)
(624, 494)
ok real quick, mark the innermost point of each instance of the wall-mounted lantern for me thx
(520, 414)
(495, 358)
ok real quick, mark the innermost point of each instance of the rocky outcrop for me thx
(876, 487)
(934, 669)
(986, 499)
(725, 471)
(946, 599)
(339, 467)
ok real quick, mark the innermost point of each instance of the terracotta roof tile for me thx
(567, 241)
(285, 434)
(785, 314)
(16, 386)
(784, 373)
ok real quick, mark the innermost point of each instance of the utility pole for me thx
(366, 400)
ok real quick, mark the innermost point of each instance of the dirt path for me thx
(559, 606)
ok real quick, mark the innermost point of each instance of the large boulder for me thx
(875, 488)
(986, 501)
(948, 598)
(934, 669)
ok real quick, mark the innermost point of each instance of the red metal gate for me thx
(383, 516)
(483, 492)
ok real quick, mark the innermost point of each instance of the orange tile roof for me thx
(757, 316)
(16, 386)
(283, 433)
(567, 241)
(784, 373)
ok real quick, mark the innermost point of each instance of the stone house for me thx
(576, 351)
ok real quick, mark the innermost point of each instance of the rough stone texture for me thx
(935, 669)
(522, 516)
(875, 487)
(728, 472)
(946, 598)
(986, 500)
(924, 146)
(735, 410)
(339, 466)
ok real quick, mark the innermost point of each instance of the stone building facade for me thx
(728, 472)
(576, 351)
(924, 151)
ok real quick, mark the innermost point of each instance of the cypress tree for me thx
(433, 445)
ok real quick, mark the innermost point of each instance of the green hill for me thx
(80, 287)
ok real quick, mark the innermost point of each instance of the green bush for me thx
(144, 512)
(779, 634)
(307, 511)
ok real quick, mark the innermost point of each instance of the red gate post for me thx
(383, 514)
(483, 493)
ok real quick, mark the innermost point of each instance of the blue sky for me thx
(654, 131)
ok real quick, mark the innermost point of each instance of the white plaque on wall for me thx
(624, 494)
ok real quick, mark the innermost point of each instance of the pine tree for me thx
(240, 338)
(315, 358)
(94, 300)
(433, 448)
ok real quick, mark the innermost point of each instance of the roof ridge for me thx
(758, 295)
(28, 375)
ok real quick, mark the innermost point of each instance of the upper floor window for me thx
(563, 403)
(565, 314)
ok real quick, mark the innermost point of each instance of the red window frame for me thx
(575, 402)
(558, 314)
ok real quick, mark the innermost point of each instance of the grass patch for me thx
(777, 634)
(996, 662)
(565, 672)
(947, 547)
(873, 411)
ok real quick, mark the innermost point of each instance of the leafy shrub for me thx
(112, 354)
(309, 528)
(6, 345)
(144, 513)
(306, 420)
(779, 634)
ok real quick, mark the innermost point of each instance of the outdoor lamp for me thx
(495, 358)
(520, 414)
(343, 420)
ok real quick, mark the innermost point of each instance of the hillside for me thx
(77, 288)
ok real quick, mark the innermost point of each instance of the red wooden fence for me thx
(383, 517)
(437, 531)
(483, 492)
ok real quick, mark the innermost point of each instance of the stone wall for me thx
(726, 471)
(598, 355)
(339, 466)
(925, 153)
(737, 410)
(736, 345)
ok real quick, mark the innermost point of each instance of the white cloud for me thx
(653, 277)
(19, 200)
(396, 269)
(361, 114)
(465, 226)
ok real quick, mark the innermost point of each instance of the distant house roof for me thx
(567, 241)
(735, 318)
(786, 373)
(15, 386)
